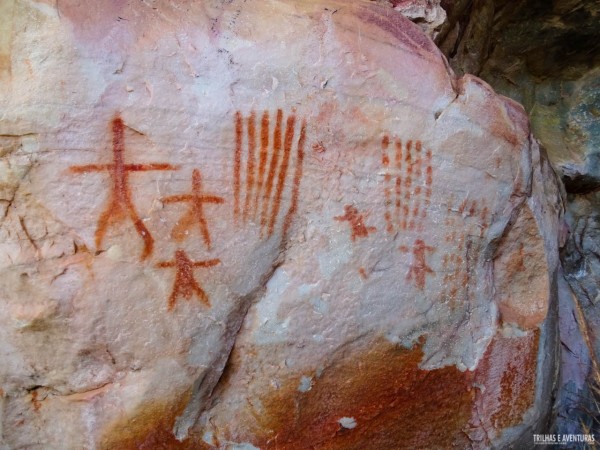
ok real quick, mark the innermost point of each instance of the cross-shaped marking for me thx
(120, 206)
(195, 213)
(185, 284)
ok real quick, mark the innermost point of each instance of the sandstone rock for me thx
(306, 180)
(546, 56)
(428, 14)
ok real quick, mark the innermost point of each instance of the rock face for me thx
(428, 14)
(546, 55)
(272, 225)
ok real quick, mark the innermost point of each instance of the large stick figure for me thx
(120, 205)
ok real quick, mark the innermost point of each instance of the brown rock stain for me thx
(394, 403)
(504, 129)
(508, 374)
(6, 36)
(150, 427)
(522, 295)
(397, 405)
(35, 401)
(5, 64)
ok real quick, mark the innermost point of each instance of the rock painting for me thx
(195, 214)
(120, 205)
(263, 164)
(185, 285)
(408, 176)
(356, 221)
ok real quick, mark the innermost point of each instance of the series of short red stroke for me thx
(259, 182)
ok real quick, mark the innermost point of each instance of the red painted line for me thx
(385, 159)
(428, 178)
(250, 164)
(149, 167)
(399, 154)
(272, 168)
(296, 183)
(473, 208)
(419, 159)
(388, 219)
(408, 180)
(237, 162)
(398, 190)
(264, 152)
(408, 153)
(387, 193)
(144, 233)
(287, 149)
(178, 198)
(90, 168)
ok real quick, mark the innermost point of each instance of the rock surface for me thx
(427, 14)
(274, 225)
(546, 55)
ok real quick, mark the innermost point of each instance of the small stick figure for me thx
(196, 212)
(356, 221)
(419, 268)
(185, 285)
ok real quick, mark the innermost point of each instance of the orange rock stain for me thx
(150, 427)
(397, 405)
(393, 402)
